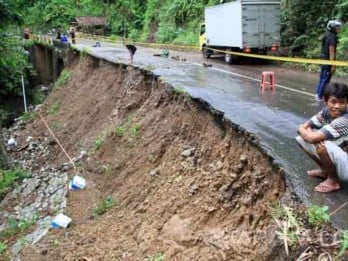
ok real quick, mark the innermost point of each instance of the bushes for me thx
(9, 178)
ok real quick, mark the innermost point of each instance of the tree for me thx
(4, 162)
(303, 21)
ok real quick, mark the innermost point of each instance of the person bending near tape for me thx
(325, 139)
(132, 49)
(328, 52)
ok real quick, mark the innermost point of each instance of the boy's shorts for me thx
(338, 156)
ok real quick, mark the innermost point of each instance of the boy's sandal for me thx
(322, 188)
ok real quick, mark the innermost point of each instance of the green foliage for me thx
(104, 206)
(127, 127)
(2, 247)
(300, 32)
(342, 9)
(8, 14)
(288, 225)
(63, 78)
(16, 226)
(119, 131)
(28, 116)
(343, 242)
(13, 65)
(9, 178)
(57, 126)
(51, 14)
(36, 96)
(54, 108)
(98, 143)
(179, 90)
(134, 130)
(318, 215)
(157, 257)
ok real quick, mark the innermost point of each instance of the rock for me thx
(218, 166)
(246, 201)
(244, 159)
(155, 172)
(83, 154)
(187, 152)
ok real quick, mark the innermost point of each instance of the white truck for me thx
(251, 26)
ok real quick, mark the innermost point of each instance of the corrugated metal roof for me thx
(90, 20)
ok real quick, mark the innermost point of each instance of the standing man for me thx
(131, 49)
(328, 52)
(72, 35)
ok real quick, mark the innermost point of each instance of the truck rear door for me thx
(260, 24)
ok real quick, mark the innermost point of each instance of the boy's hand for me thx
(320, 147)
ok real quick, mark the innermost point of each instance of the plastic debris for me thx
(12, 142)
(61, 221)
(77, 183)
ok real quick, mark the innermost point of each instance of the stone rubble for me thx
(39, 196)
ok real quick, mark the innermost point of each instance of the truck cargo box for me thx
(243, 23)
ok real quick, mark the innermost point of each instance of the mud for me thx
(183, 183)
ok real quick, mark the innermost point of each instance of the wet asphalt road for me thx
(235, 89)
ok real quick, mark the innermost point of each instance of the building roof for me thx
(90, 20)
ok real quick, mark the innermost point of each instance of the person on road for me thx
(328, 52)
(325, 139)
(72, 35)
(64, 38)
(59, 35)
(132, 49)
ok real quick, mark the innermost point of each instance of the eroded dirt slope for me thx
(184, 184)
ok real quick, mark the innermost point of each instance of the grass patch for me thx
(84, 52)
(9, 178)
(179, 90)
(37, 96)
(318, 215)
(28, 116)
(343, 242)
(57, 126)
(98, 143)
(63, 78)
(3, 247)
(104, 206)
(54, 108)
(134, 130)
(17, 226)
(119, 131)
(288, 226)
(126, 127)
(157, 257)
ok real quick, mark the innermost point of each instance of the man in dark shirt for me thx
(328, 52)
(132, 49)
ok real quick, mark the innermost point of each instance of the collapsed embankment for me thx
(184, 184)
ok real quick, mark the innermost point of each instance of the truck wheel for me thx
(206, 53)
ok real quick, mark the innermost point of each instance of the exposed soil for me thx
(185, 183)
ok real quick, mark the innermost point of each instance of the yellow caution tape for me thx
(285, 59)
(174, 46)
